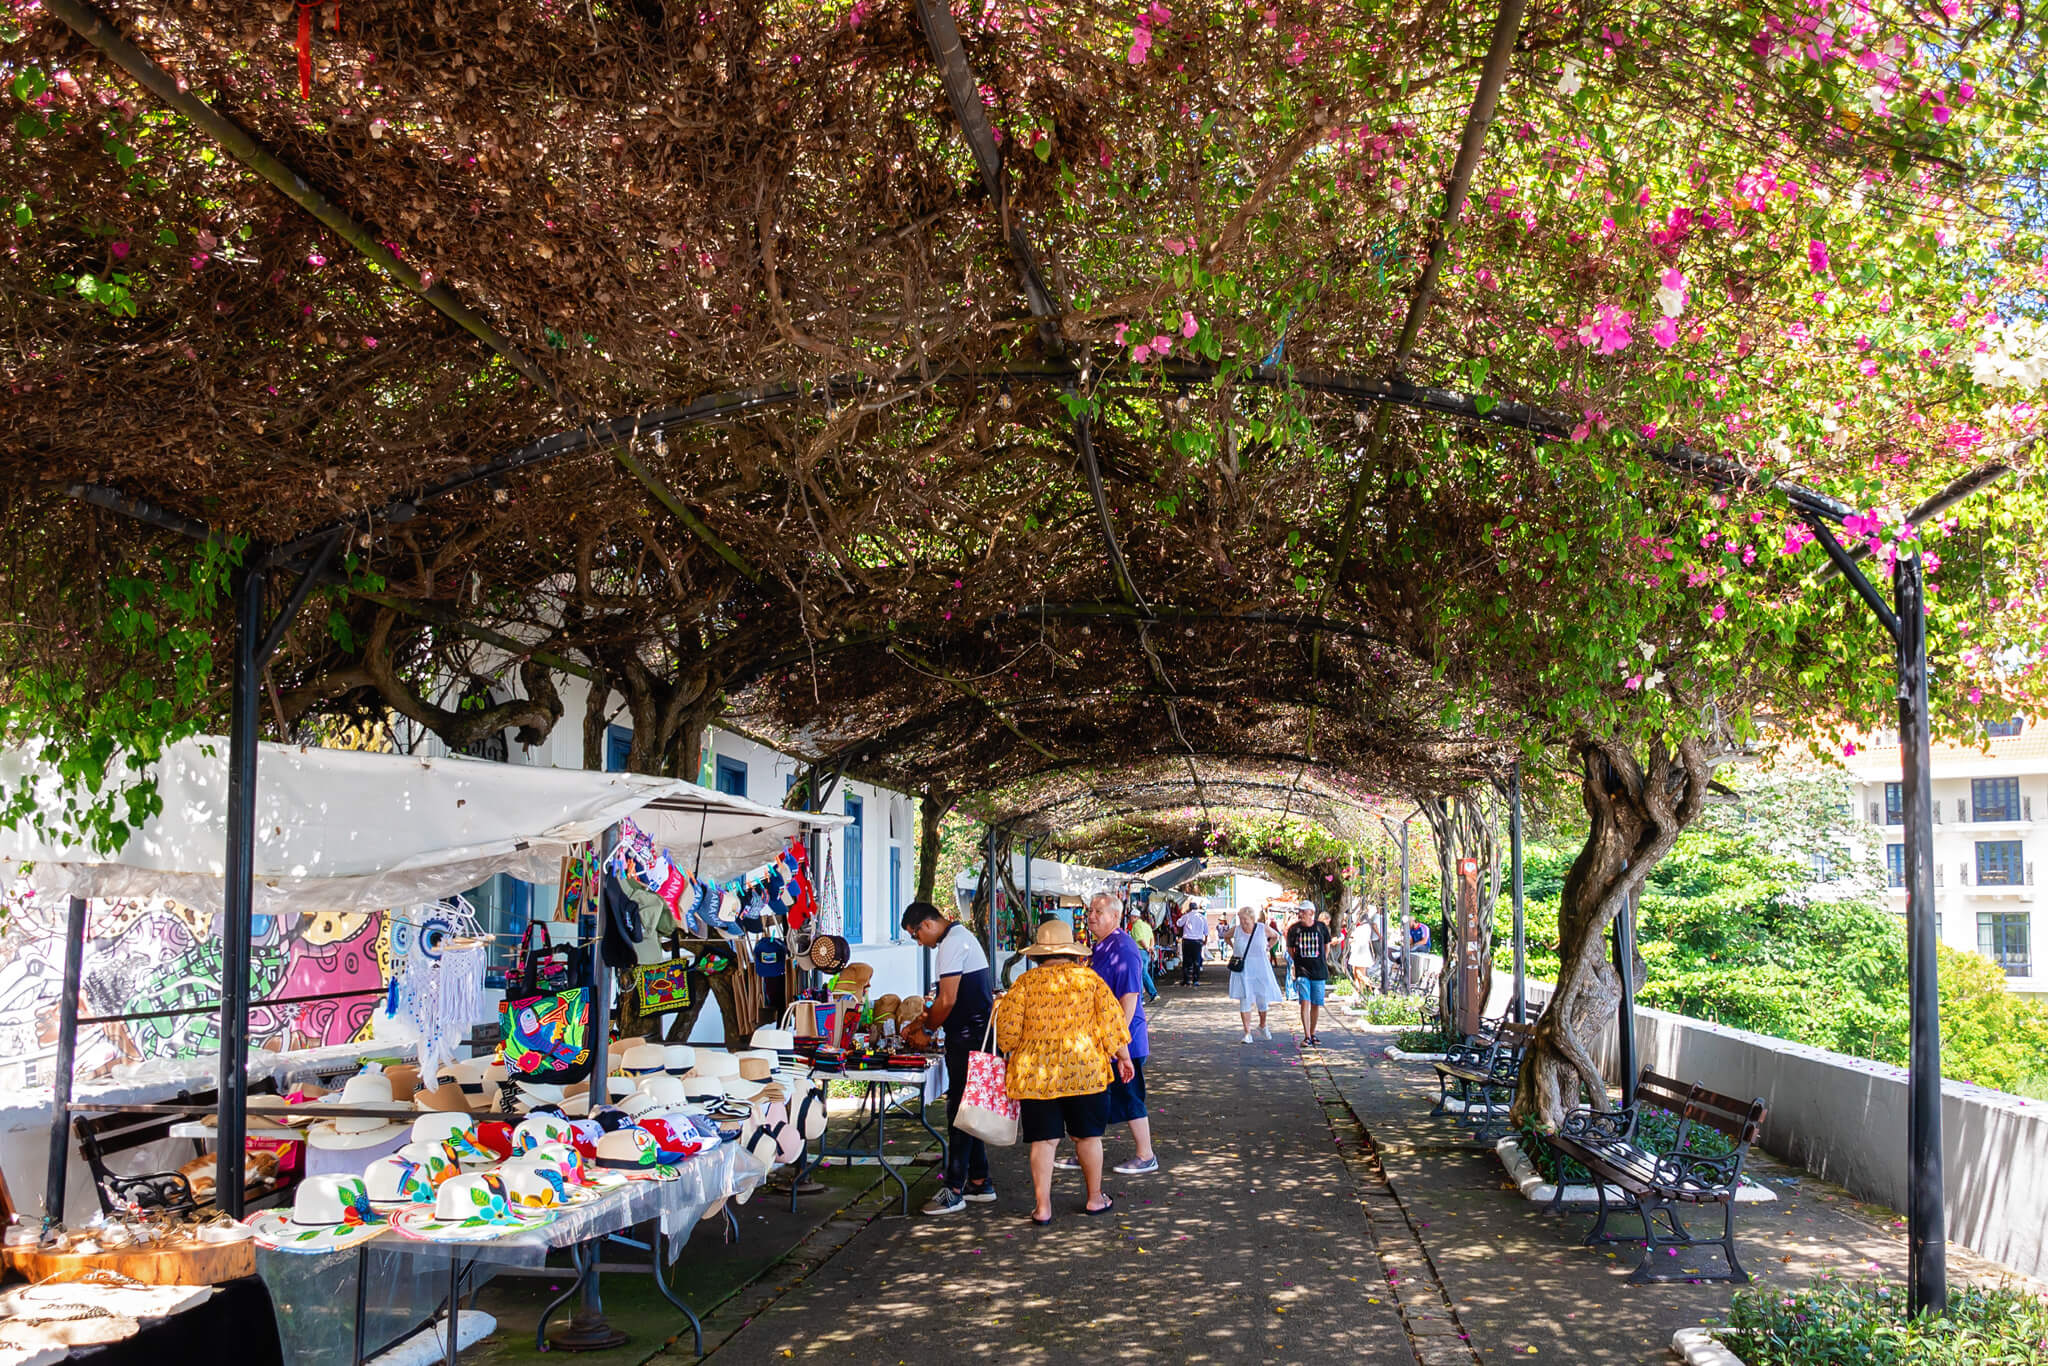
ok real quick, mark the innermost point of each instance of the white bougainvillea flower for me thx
(1573, 78)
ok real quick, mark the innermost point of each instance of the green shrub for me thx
(1837, 1321)
(1425, 1040)
(1392, 1010)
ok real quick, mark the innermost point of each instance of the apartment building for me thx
(1986, 840)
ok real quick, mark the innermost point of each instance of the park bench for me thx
(1652, 1184)
(103, 1136)
(1484, 1071)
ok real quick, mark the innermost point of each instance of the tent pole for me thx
(67, 1050)
(1515, 890)
(238, 888)
(1407, 952)
(1028, 920)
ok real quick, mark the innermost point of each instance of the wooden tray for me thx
(191, 1264)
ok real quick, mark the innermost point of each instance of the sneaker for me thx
(984, 1194)
(1265, 1034)
(1247, 1038)
(1063, 1163)
(947, 1201)
(1134, 1167)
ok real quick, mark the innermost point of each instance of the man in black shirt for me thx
(1308, 944)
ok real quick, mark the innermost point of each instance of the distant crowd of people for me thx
(1073, 1027)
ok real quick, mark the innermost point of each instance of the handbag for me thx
(1237, 959)
(986, 1110)
(662, 986)
(547, 1032)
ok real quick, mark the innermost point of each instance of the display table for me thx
(904, 1091)
(337, 1309)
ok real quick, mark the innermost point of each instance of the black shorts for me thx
(1127, 1099)
(1044, 1121)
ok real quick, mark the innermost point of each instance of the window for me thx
(618, 747)
(2000, 863)
(1895, 865)
(1823, 871)
(2002, 730)
(2002, 937)
(732, 776)
(854, 832)
(895, 891)
(1894, 803)
(1996, 799)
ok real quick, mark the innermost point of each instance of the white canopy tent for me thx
(344, 830)
(1051, 878)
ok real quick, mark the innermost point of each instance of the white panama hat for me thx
(344, 1132)
(328, 1213)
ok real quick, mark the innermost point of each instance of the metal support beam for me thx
(682, 512)
(1407, 955)
(67, 1052)
(1926, 1220)
(1515, 890)
(238, 888)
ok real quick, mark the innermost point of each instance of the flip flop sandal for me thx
(1041, 1222)
(1104, 1210)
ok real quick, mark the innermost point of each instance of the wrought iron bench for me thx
(1484, 1071)
(1652, 1184)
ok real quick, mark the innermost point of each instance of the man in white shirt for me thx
(1194, 935)
(962, 1005)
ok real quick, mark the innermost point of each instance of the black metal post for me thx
(67, 1050)
(1926, 1231)
(1407, 949)
(1029, 919)
(587, 1329)
(1515, 890)
(1624, 963)
(238, 888)
(1386, 945)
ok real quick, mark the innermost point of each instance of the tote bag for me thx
(986, 1110)
(662, 986)
(547, 1032)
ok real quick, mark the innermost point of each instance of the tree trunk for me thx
(931, 813)
(1636, 813)
(1463, 831)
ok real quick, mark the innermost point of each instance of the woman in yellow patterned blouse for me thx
(1064, 1032)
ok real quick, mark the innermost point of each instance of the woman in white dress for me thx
(1253, 986)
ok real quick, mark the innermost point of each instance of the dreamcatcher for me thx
(437, 977)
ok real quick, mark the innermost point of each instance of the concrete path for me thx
(1310, 1211)
(1250, 1246)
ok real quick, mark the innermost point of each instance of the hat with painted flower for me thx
(436, 1161)
(574, 1167)
(471, 1208)
(329, 1213)
(634, 1154)
(537, 1129)
(397, 1181)
(532, 1185)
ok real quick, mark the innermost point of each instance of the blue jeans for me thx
(1151, 983)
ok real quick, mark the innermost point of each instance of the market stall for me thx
(338, 833)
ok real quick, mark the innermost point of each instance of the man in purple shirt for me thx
(1121, 963)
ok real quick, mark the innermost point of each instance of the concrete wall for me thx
(1844, 1119)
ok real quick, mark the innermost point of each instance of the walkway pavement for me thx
(1278, 1233)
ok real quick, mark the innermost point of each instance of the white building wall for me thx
(1965, 898)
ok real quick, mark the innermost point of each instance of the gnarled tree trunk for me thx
(1463, 830)
(931, 814)
(1637, 811)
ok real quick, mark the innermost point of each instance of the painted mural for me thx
(156, 954)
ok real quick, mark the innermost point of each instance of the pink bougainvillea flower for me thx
(369, 343)
(315, 260)
(1607, 330)
(1664, 332)
(1848, 748)
(1188, 325)
(1141, 46)
(1161, 344)
(199, 262)
(1122, 331)
(1141, 353)
(1817, 256)
(1797, 537)
(1176, 246)
(118, 250)
(1720, 611)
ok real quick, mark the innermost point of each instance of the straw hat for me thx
(856, 976)
(404, 1078)
(754, 1068)
(909, 1011)
(703, 1090)
(678, 1058)
(1055, 939)
(328, 1213)
(634, 1154)
(643, 1060)
(716, 1062)
(397, 1181)
(770, 1037)
(358, 1131)
(887, 1004)
(655, 1094)
(469, 1208)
